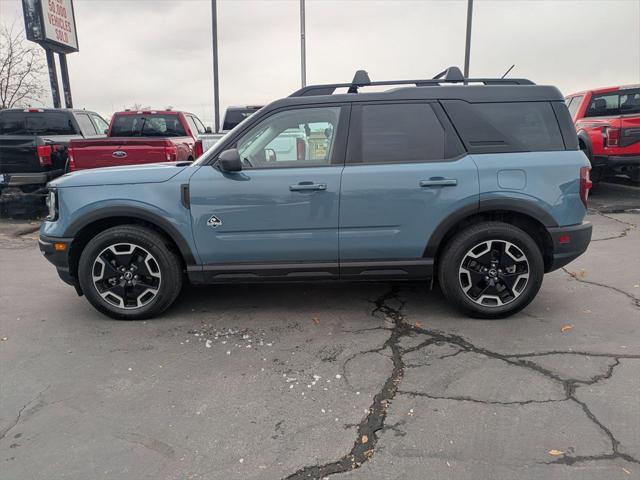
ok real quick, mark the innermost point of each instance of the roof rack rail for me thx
(361, 79)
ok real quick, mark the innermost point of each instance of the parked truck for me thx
(141, 136)
(34, 143)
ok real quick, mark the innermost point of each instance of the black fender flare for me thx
(583, 137)
(136, 213)
(511, 205)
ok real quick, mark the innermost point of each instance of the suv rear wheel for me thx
(491, 270)
(128, 273)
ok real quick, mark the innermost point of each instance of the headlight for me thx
(52, 205)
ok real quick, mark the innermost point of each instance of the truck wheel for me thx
(596, 173)
(491, 270)
(129, 273)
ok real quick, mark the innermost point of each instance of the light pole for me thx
(214, 34)
(467, 48)
(303, 50)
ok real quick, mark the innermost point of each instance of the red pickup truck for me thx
(143, 136)
(607, 121)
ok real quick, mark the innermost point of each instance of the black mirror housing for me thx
(208, 130)
(229, 160)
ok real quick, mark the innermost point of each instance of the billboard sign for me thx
(51, 23)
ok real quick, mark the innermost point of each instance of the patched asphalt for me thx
(362, 381)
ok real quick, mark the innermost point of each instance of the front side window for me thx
(399, 133)
(100, 123)
(573, 104)
(85, 124)
(294, 138)
(604, 105)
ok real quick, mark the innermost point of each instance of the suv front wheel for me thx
(129, 273)
(491, 270)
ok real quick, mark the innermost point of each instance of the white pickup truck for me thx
(232, 117)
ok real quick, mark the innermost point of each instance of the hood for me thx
(149, 173)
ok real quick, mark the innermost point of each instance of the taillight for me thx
(170, 152)
(44, 154)
(301, 149)
(613, 137)
(585, 184)
(71, 158)
(197, 149)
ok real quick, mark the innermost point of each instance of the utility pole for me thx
(216, 93)
(303, 49)
(467, 48)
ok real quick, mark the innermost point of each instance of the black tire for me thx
(597, 174)
(452, 273)
(148, 253)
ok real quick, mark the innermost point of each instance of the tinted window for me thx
(36, 123)
(506, 127)
(604, 105)
(234, 116)
(85, 124)
(295, 138)
(630, 102)
(147, 126)
(573, 104)
(101, 125)
(399, 133)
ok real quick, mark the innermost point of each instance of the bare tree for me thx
(21, 69)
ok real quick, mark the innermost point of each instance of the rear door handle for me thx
(439, 182)
(307, 186)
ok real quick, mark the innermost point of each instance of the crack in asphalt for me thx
(628, 227)
(576, 277)
(374, 422)
(19, 416)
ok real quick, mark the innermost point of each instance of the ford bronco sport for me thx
(478, 183)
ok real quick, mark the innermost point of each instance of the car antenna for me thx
(510, 68)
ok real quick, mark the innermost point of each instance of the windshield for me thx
(36, 123)
(151, 125)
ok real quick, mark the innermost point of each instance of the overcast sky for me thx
(158, 52)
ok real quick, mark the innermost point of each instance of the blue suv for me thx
(478, 183)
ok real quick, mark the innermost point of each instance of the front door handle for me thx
(307, 186)
(439, 182)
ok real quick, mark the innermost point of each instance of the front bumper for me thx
(58, 257)
(568, 243)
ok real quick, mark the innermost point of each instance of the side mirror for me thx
(106, 131)
(208, 130)
(229, 160)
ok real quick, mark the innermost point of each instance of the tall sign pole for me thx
(216, 93)
(303, 48)
(467, 48)
(52, 24)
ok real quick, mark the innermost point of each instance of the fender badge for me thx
(214, 222)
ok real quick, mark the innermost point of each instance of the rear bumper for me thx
(59, 258)
(617, 161)
(569, 243)
(20, 179)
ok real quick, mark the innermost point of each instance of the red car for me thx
(143, 136)
(607, 121)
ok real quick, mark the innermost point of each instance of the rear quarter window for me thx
(506, 127)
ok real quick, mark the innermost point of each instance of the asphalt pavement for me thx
(349, 381)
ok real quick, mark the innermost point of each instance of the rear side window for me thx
(604, 105)
(398, 133)
(506, 127)
(36, 123)
(629, 102)
(147, 126)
